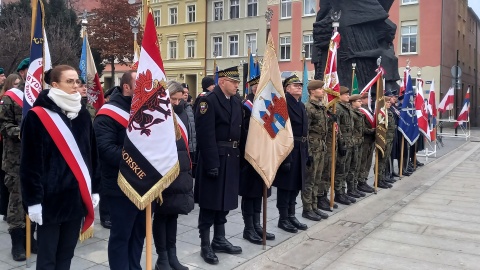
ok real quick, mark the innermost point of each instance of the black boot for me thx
(284, 222)
(162, 261)
(353, 194)
(18, 248)
(363, 186)
(361, 194)
(323, 203)
(342, 199)
(206, 250)
(294, 220)
(249, 232)
(259, 229)
(221, 244)
(351, 199)
(173, 260)
(311, 215)
(320, 213)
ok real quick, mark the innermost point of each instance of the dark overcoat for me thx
(218, 121)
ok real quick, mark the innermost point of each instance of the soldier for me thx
(384, 159)
(290, 177)
(82, 89)
(2, 77)
(218, 122)
(358, 130)
(368, 146)
(22, 68)
(251, 184)
(317, 133)
(345, 147)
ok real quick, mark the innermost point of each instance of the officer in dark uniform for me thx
(291, 174)
(251, 184)
(208, 84)
(218, 122)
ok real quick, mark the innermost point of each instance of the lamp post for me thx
(84, 23)
(134, 23)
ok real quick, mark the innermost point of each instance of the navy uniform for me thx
(251, 183)
(218, 121)
(292, 172)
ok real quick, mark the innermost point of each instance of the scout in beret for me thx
(315, 84)
(355, 97)
(22, 68)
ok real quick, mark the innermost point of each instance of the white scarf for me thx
(69, 103)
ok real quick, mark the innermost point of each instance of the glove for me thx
(333, 117)
(309, 161)
(35, 213)
(95, 199)
(341, 150)
(212, 173)
(285, 167)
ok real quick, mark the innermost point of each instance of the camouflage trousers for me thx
(342, 167)
(368, 148)
(313, 181)
(15, 212)
(384, 161)
(353, 174)
(324, 187)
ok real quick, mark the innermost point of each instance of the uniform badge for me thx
(203, 107)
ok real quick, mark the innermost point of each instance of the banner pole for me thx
(334, 154)
(28, 243)
(148, 237)
(415, 157)
(264, 236)
(401, 157)
(376, 169)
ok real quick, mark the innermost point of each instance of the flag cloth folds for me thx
(88, 71)
(215, 77)
(34, 78)
(380, 71)
(447, 102)
(252, 70)
(381, 119)
(330, 77)
(422, 110)
(432, 111)
(149, 157)
(136, 55)
(407, 123)
(464, 113)
(270, 137)
(355, 89)
(305, 82)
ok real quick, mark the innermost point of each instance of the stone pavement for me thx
(427, 220)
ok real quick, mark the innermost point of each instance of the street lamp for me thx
(134, 23)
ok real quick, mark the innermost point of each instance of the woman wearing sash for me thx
(58, 170)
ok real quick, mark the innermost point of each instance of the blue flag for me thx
(305, 83)
(83, 59)
(216, 75)
(408, 124)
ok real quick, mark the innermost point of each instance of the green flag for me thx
(355, 84)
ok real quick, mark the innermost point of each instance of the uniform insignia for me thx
(203, 107)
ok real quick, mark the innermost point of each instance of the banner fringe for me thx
(86, 234)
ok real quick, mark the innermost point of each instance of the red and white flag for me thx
(464, 113)
(447, 102)
(94, 87)
(149, 156)
(432, 111)
(136, 56)
(421, 111)
(330, 77)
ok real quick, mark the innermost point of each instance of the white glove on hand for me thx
(95, 199)
(35, 213)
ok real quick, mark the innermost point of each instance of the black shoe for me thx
(162, 261)
(406, 173)
(285, 225)
(342, 199)
(221, 244)
(323, 204)
(390, 180)
(365, 187)
(351, 199)
(18, 248)
(352, 193)
(173, 260)
(361, 194)
(394, 174)
(294, 221)
(107, 224)
(419, 164)
(206, 249)
(259, 229)
(311, 215)
(383, 184)
(251, 236)
(321, 214)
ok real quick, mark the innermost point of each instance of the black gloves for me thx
(309, 161)
(285, 167)
(333, 117)
(341, 150)
(212, 173)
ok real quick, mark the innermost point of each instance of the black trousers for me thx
(104, 208)
(56, 244)
(251, 206)
(286, 198)
(127, 234)
(164, 230)
(208, 217)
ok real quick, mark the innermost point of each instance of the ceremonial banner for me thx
(305, 82)
(270, 137)
(447, 102)
(149, 157)
(463, 116)
(407, 123)
(375, 79)
(381, 119)
(421, 111)
(136, 55)
(355, 89)
(432, 111)
(90, 75)
(330, 77)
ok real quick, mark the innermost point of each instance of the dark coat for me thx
(251, 184)
(295, 178)
(45, 176)
(218, 119)
(110, 139)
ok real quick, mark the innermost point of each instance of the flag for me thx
(270, 130)
(381, 119)
(432, 111)
(34, 78)
(464, 113)
(252, 70)
(407, 123)
(330, 76)
(136, 55)
(216, 75)
(380, 71)
(355, 90)
(305, 82)
(47, 59)
(422, 111)
(88, 71)
(145, 171)
(447, 102)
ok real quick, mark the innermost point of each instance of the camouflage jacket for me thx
(317, 126)
(358, 127)
(392, 126)
(10, 119)
(345, 122)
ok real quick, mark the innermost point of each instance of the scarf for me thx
(69, 103)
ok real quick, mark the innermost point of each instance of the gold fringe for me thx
(87, 234)
(155, 192)
(178, 134)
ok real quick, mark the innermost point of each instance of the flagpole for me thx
(401, 157)
(376, 170)
(28, 229)
(354, 65)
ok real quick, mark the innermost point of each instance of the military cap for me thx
(231, 73)
(254, 81)
(292, 79)
(388, 93)
(355, 97)
(24, 64)
(344, 90)
(315, 84)
(2, 71)
(82, 80)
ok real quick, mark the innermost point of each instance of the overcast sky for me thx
(475, 5)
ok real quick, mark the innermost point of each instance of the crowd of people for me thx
(40, 180)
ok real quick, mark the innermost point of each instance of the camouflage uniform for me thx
(384, 160)
(10, 118)
(317, 132)
(327, 165)
(368, 146)
(358, 127)
(345, 122)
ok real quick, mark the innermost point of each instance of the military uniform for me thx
(368, 145)
(384, 160)
(325, 185)
(345, 141)
(357, 135)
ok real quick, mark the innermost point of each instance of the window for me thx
(234, 9)
(308, 45)
(156, 17)
(173, 15)
(191, 13)
(218, 46)
(190, 48)
(286, 8)
(233, 45)
(251, 40)
(285, 48)
(409, 2)
(252, 8)
(172, 49)
(309, 7)
(217, 11)
(409, 38)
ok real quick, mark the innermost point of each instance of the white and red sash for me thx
(67, 145)
(116, 113)
(368, 115)
(16, 95)
(184, 132)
